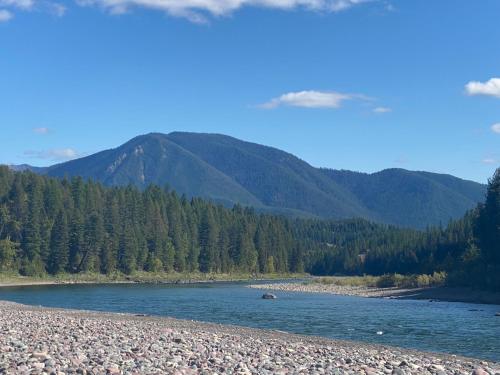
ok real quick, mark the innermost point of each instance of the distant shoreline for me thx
(445, 294)
(167, 279)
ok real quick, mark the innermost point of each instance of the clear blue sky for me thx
(346, 84)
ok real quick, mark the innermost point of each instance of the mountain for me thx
(155, 159)
(230, 171)
(409, 198)
(27, 167)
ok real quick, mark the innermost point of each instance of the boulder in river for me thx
(269, 296)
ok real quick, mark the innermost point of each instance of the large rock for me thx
(269, 296)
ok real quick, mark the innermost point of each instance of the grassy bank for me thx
(385, 281)
(139, 277)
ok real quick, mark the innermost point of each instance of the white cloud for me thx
(389, 7)
(61, 154)
(197, 10)
(23, 4)
(382, 110)
(41, 130)
(490, 88)
(45, 6)
(496, 128)
(5, 15)
(489, 161)
(309, 99)
(56, 9)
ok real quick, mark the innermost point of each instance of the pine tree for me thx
(76, 241)
(32, 262)
(488, 222)
(8, 251)
(59, 245)
(128, 250)
(487, 233)
(208, 235)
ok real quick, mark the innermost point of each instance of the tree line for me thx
(50, 226)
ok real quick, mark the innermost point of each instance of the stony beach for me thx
(343, 290)
(35, 340)
(440, 294)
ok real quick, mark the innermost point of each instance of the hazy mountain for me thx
(229, 170)
(27, 167)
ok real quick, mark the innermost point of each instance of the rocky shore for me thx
(436, 293)
(343, 290)
(36, 340)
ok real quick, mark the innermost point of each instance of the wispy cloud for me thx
(198, 10)
(56, 9)
(490, 88)
(310, 99)
(5, 15)
(9, 7)
(402, 159)
(496, 128)
(489, 161)
(382, 110)
(41, 130)
(23, 4)
(59, 154)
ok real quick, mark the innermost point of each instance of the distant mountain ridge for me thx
(230, 171)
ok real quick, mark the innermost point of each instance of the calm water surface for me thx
(457, 328)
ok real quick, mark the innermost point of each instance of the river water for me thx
(458, 328)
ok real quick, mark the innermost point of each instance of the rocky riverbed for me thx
(35, 340)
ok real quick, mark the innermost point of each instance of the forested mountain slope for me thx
(230, 171)
(52, 225)
(407, 198)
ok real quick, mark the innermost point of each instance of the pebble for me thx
(479, 371)
(63, 342)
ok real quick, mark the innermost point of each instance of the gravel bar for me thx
(430, 293)
(343, 290)
(36, 340)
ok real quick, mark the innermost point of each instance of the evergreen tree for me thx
(208, 234)
(32, 262)
(59, 245)
(8, 251)
(487, 228)
(51, 225)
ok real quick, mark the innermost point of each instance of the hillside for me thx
(230, 171)
(409, 198)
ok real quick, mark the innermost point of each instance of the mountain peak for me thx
(228, 170)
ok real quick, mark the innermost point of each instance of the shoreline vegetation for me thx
(50, 226)
(142, 278)
(91, 342)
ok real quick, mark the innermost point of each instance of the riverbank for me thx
(432, 293)
(140, 277)
(39, 340)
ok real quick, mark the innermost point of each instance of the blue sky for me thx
(345, 84)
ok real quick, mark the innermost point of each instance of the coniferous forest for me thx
(51, 226)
